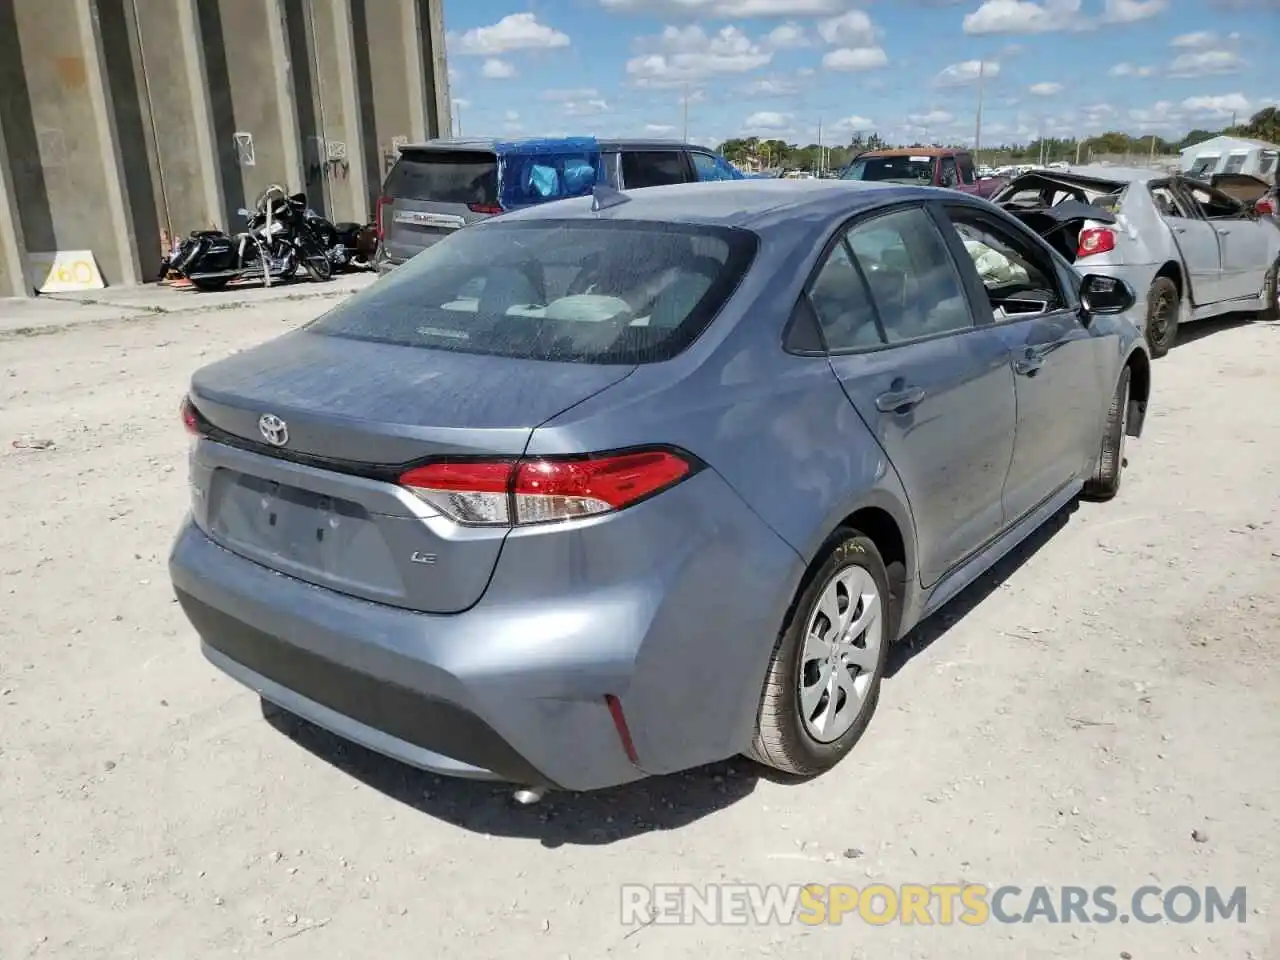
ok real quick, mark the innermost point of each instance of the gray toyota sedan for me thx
(620, 485)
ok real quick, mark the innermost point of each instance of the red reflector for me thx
(1266, 208)
(616, 480)
(490, 208)
(383, 203)
(190, 420)
(620, 724)
(1095, 240)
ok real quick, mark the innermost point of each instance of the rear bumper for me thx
(671, 608)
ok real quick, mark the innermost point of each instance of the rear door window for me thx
(965, 163)
(653, 168)
(949, 177)
(444, 176)
(586, 291)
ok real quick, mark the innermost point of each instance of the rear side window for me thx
(445, 176)
(965, 163)
(709, 167)
(586, 291)
(653, 168)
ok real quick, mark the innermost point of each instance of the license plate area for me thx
(313, 536)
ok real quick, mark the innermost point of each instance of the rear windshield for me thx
(583, 291)
(446, 176)
(897, 169)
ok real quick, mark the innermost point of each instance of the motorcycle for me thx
(351, 245)
(281, 235)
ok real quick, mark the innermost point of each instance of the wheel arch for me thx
(887, 522)
(1173, 270)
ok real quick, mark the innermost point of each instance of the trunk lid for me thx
(323, 504)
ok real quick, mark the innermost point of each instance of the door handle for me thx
(1179, 229)
(1223, 232)
(899, 401)
(1029, 363)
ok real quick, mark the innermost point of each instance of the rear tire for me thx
(1271, 294)
(1105, 482)
(829, 659)
(319, 268)
(1163, 306)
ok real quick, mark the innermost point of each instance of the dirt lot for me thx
(1071, 720)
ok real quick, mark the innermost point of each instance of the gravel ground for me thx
(1070, 720)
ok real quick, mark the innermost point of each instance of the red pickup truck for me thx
(926, 166)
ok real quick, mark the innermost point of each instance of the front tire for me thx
(823, 681)
(1105, 482)
(1163, 306)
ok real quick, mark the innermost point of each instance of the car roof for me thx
(914, 152)
(491, 143)
(757, 205)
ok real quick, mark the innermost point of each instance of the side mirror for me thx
(1105, 296)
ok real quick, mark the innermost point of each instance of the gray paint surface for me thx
(673, 604)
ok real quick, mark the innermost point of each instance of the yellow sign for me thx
(64, 271)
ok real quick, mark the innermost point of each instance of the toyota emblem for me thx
(274, 430)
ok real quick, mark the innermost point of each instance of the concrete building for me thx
(126, 123)
(1226, 154)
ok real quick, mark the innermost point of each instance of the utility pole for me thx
(977, 127)
(686, 111)
(820, 147)
(457, 113)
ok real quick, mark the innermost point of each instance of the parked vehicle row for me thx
(438, 187)
(1188, 249)
(635, 481)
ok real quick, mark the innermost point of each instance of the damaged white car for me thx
(1188, 250)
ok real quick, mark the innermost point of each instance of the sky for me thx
(907, 69)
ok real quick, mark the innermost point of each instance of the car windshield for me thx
(893, 169)
(568, 290)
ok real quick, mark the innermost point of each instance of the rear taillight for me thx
(545, 489)
(492, 209)
(1265, 208)
(1095, 240)
(190, 419)
(381, 220)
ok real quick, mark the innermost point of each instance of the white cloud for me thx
(461, 103)
(584, 108)
(1205, 63)
(495, 69)
(1221, 106)
(786, 36)
(1131, 70)
(516, 31)
(659, 129)
(1045, 89)
(768, 121)
(855, 58)
(681, 54)
(934, 118)
(771, 87)
(1131, 11)
(561, 96)
(853, 29)
(966, 72)
(1023, 16)
(1197, 40)
(854, 36)
(710, 9)
(853, 123)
